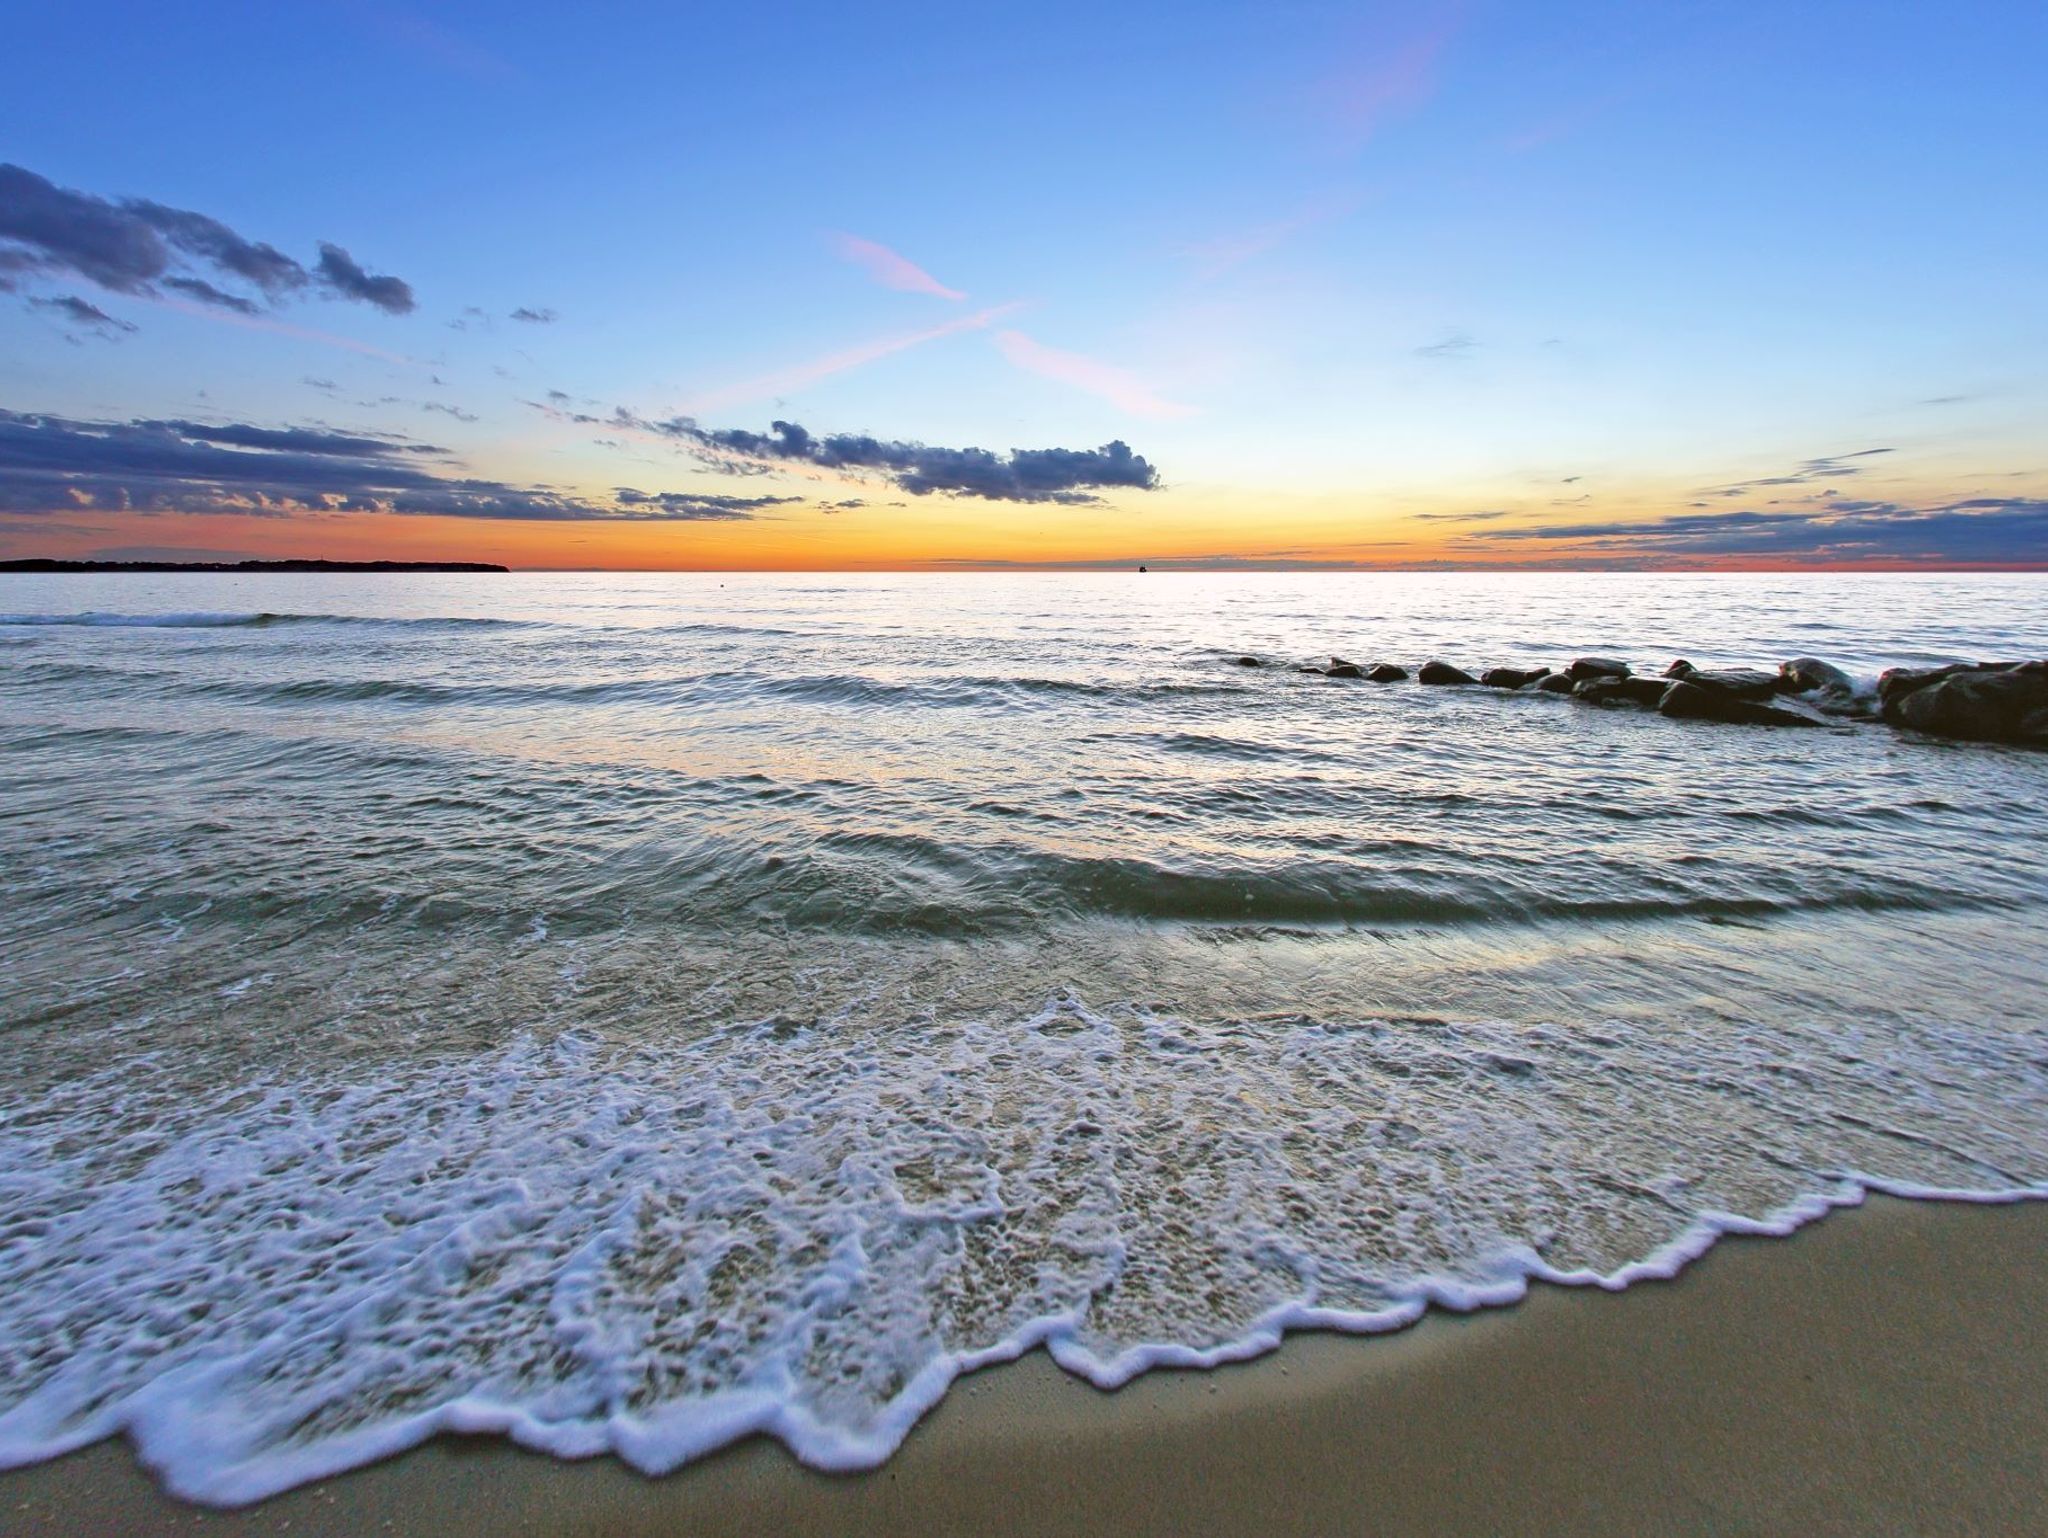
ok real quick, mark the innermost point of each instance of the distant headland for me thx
(49, 565)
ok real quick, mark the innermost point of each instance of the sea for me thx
(630, 1013)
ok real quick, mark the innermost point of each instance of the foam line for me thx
(810, 1233)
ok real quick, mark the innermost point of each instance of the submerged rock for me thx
(1609, 690)
(1249, 662)
(1743, 683)
(1980, 702)
(1686, 700)
(1443, 673)
(1338, 669)
(1385, 673)
(1511, 678)
(1596, 667)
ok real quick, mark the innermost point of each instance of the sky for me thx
(1456, 283)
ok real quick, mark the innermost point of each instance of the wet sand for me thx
(1884, 1371)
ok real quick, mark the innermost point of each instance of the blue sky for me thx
(1328, 269)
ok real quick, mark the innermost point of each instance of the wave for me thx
(207, 620)
(675, 688)
(809, 1232)
(899, 880)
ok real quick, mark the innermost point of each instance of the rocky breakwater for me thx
(1973, 701)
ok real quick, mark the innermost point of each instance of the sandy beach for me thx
(1884, 1371)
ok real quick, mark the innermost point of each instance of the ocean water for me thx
(634, 1012)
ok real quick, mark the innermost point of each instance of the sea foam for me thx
(809, 1231)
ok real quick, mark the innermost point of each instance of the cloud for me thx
(137, 246)
(1827, 467)
(81, 312)
(801, 376)
(52, 464)
(1488, 516)
(1022, 475)
(452, 411)
(690, 507)
(1975, 531)
(341, 274)
(211, 241)
(1119, 386)
(1219, 254)
(206, 293)
(1453, 344)
(889, 269)
(1393, 82)
(535, 317)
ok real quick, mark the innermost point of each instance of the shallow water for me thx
(633, 1011)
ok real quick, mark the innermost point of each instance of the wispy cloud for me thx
(889, 268)
(1450, 346)
(1491, 515)
(799, 376)
(84, 314)
(1393, 80)
(270, 323)
(1827, 467)
(1219, 255)
(452, 50)
(1119, 386)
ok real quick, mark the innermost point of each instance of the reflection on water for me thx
(633, 1010)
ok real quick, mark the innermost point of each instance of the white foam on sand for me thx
(811, 1231)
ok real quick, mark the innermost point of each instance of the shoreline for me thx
(1882, 1370)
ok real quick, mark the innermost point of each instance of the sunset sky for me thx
(1573, 283)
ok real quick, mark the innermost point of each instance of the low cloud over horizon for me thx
(1970, 531)
(51, 464)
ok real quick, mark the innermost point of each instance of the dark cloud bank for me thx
(136, 246)
(1022, 475)
(52, 464)
(1975, 531)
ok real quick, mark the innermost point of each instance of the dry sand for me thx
(1885, 1371)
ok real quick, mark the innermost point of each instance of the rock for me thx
(1596, 667)
(1443, 673)
(1979, 702)
(1804, 675)
(1743, 683)
(1894, 684)
(1343, 670)
(1309, 667)
(1555, 683)
(1511, 678)
(1685, 700)
(1249, 662)
(1342, 662)
(1385, 673)
(1620, 691)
